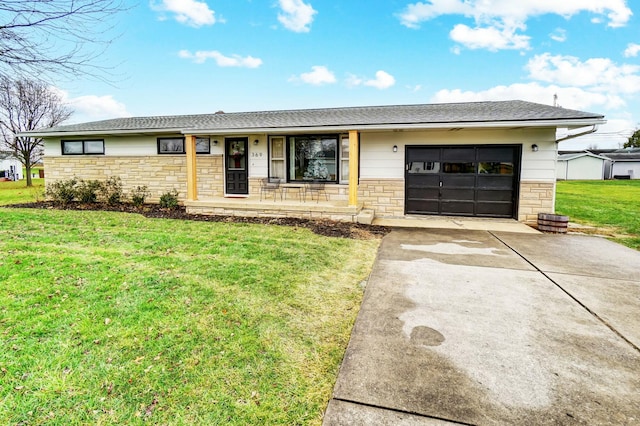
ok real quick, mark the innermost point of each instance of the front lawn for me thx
(612, 206)
(17, 192)
(113, 318)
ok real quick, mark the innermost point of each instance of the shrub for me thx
(111, 190)
(169, 200)
(87, 190)
(62, 191)
(139, 195)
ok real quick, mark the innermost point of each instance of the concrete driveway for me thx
(480, 327)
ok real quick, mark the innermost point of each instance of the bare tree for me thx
(42, 38)
(28, 105)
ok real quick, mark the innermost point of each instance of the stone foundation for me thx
(160, 173)
(535, 197)
(384, 196)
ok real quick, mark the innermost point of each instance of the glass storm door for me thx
(237, 177)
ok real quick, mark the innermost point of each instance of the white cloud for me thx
(189, 12)
(559, 35)
(632, 50)
(568, 97)
(490, 38)
(383, 80)
(296, 15)
(598, 74)
(200, 56)
(318, 76)
(92, 107)
(497, 21)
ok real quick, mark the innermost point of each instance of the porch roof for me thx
(452, 115)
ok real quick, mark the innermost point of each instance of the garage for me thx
(465, 180)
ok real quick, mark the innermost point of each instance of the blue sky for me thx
(202, 56)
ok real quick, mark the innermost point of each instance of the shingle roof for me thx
(446, 114)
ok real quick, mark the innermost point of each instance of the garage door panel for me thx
(458, 208)
(458, 194)
(496, 154)
(424, 181)
(468, 181)
(494, 209)
(423, 206)
(497, 182)
(423, 193)
(494, 195)
(459, 154)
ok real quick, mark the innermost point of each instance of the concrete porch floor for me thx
(292, 206)
(456, 222)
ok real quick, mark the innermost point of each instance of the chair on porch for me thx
(270, 185)
(317, 188)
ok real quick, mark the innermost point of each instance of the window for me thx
(276, 170)
(203, 146)
(344, 159)
(171, 146)
(86, 147)
(313, 158)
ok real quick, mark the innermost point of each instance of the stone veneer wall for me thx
(160, 173)
(384, 196)
(535, 197)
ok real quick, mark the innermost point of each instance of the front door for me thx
(237, 177)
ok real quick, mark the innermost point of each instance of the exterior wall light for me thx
(215, 142)
(256, 142)
(534, 148)
(395, 148)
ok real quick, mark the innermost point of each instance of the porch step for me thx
(365, 216)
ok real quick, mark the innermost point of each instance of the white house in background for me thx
(10, 167)
(484, 159)
(581, 166)
(626, 163)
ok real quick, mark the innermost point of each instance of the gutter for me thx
(570, 123)
(593, 129)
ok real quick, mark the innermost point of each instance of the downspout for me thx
(593, 129)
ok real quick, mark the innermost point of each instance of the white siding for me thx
(631, 168)
(377, 159)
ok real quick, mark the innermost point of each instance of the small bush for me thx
(169, 200)
(87, 190)
(139, 195)
(62, 191)
(111, 190)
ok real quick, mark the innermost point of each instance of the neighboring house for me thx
(582, 166)
(485, 159)
(10, 167)
(625, 163)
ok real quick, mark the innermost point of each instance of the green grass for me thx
(612, 206)
(17, 192)
(113, 318)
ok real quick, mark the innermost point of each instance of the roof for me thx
(451, 115)
(575, 155)
(627, 154)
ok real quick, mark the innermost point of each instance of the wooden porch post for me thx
(354, 152)
(192, 180)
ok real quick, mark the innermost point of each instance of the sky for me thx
(176, 57)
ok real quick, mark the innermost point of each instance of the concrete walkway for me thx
(489, 327)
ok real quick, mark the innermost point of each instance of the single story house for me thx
(10, 167)
(583, 165)
(625, 163)
(484, 159)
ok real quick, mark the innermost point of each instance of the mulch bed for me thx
(321, 227)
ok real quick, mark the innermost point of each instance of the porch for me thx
(298, 207)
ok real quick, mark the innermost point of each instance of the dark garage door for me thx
(462, 180)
